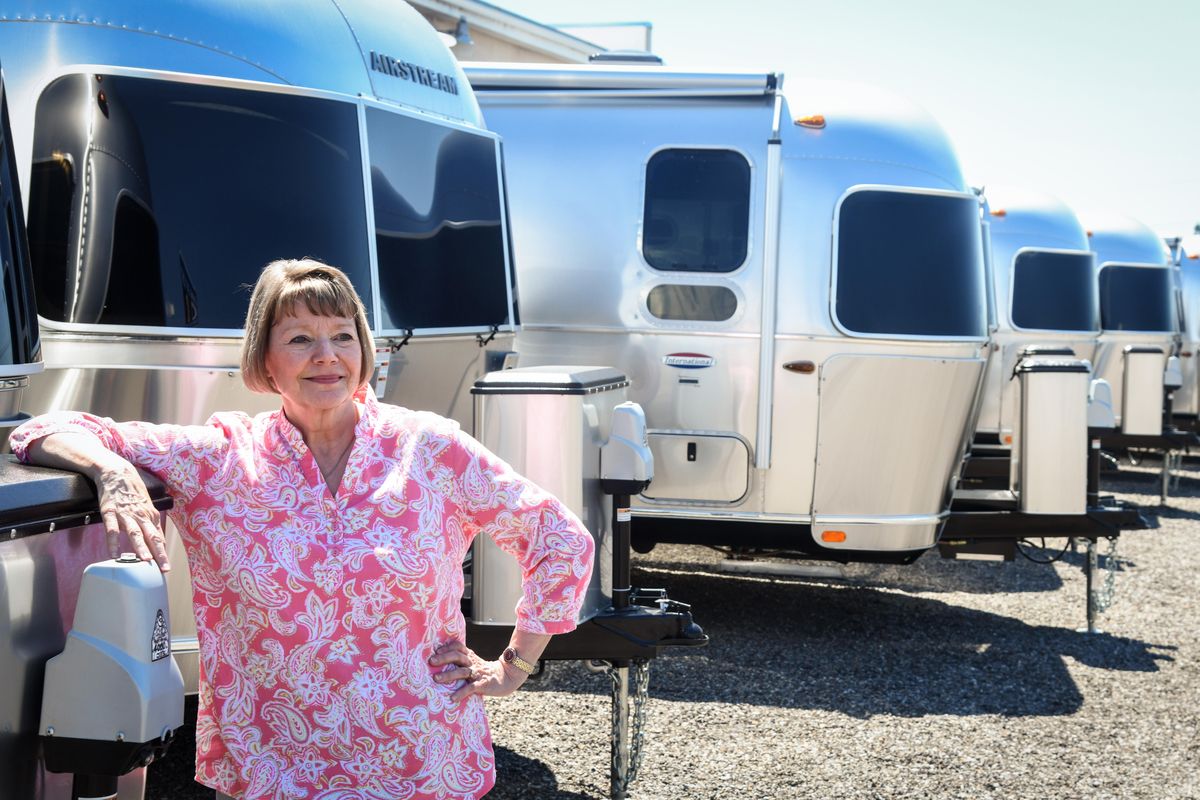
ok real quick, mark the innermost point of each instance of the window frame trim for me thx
(359, 104)
(640, 238)
(834, 259)
(1012, 288)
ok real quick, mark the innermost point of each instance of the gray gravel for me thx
(935, 680)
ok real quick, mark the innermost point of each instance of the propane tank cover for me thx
(115, 681)
(626, 457)
(1173, 375)
(1100, 405)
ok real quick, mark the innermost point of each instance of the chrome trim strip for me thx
(21, 370)
(770, 283)
(986, 494)
(706, 513)
(364, 148)
(576, 79)
(898, 519)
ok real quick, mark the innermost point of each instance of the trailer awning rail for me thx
(496, 78)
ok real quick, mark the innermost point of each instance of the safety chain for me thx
(1106, 594)
(639, 679)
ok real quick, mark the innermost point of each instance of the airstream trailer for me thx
(1139, 345)
(1033, 469)
(171, 150)
(64, 674)
(793, 282)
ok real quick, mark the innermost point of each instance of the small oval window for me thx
(675, 301)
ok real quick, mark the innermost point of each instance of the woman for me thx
(326, 543)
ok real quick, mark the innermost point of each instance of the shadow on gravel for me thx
(863, 651)
(521, 778)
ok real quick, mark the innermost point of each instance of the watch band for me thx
(510, 656)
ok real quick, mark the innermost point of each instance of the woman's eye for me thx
(298, 340)
(344, 337)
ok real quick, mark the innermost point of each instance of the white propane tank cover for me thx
(1173, 375)
(1100, 405)
(1142, 392)
(116, 679)
(626, 456)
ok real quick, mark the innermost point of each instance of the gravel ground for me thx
(935, 680)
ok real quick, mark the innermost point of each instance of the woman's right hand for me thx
(126, 508)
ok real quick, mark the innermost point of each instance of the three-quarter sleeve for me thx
(551, 544)
(175, 454)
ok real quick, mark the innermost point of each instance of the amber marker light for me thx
(833, 537)
(1194, 256)
(803, 367)
(1008, 439)
(815, 121)
(999, 212)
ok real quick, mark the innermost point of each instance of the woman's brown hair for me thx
(323, 289)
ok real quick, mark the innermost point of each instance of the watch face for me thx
(509, 654)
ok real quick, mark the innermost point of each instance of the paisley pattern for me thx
(317, 613)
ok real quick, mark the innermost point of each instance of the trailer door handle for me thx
(691, 451)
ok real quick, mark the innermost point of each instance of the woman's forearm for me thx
(126, 509)
(77, 452)
(529, 645)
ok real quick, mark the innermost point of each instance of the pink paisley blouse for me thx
(317, 613)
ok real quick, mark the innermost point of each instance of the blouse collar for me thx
(368, 409)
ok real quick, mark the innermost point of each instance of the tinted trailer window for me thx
(158, 203)
(910, 264)
(697, 211)
(1136, 299)
(438, 232)
(1055, 292)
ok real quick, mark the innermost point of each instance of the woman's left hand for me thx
(490, 678)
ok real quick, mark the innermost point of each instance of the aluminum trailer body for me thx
(1140, 339)
(1044, 279)
(792, 280)
(51, 530)
(169, 151)
(1028, 472)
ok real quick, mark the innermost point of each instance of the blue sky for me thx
(1097, 102)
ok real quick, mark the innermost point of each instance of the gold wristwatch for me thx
(509, 656)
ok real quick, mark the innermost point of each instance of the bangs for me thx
(321, 295)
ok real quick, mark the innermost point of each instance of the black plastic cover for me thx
(37, 499)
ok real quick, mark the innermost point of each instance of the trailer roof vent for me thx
(625, 57)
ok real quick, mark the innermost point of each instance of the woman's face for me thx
(314, 360)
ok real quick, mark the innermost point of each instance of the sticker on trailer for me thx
(383, 357)
(160, 640)
(689, 360)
